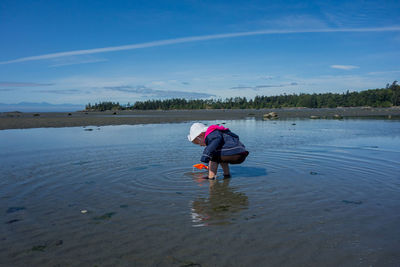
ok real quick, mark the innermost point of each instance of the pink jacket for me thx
(213, 128)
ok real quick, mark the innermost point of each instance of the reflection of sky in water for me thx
(303, 180)
(254, 133)
(56, 138)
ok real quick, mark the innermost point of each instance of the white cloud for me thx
(158, 83)
(344, 67)
(259, 87)
(23, 84)
(67, 61)
(196, 39)
(145, 91)
(383, 72)
(93, 82)
(263, 86)
(61, 92)
(339, 83)
(267, 77)
(293, 22)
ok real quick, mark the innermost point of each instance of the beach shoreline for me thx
(26, 120)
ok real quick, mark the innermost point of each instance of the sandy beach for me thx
(19, 120)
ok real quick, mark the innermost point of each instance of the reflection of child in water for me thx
(222, 206)
(222, 147)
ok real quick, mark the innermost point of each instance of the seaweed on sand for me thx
(105, 216)
(14, 209)
(40, 248)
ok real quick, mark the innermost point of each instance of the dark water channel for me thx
(311, 193)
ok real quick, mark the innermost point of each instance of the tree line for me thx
(384, 97)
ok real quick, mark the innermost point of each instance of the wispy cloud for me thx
(23, 84)
(76, 61)
(344, 67)
(61, 92)
(258, 87)
(357, 12)
(197, 39)
(340, 83)
(158, 83)
(241, 87)
(382, 72)
(146, 91)
(267, 77)
(300, 21)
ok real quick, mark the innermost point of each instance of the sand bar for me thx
(18, 120)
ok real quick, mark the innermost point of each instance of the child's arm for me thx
(212, 146)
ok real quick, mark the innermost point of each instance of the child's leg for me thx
(212, 169)
(225, 168)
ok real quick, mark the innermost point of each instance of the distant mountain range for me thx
(40, 107)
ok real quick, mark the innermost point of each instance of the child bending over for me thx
(222, 147)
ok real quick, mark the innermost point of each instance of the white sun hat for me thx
(195, 130)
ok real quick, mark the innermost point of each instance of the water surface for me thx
(311, 193)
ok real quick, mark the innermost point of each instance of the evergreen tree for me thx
(385, 97)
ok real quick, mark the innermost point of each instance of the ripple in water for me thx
(330, 200)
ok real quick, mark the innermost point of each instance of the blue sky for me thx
(90, 51)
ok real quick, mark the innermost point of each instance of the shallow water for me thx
(311, 193)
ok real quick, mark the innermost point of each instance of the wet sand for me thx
(317, 193)
(18, 120)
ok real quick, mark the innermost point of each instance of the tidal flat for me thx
(25, 120)
(311, 193)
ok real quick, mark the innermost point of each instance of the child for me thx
(222, 147)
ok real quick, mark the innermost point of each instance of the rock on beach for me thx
(271, 116)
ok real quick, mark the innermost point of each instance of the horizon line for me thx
(192, 39)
